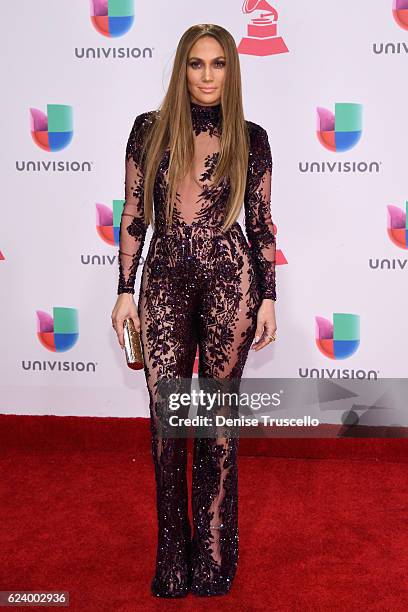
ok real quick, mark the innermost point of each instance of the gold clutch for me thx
(133, 347)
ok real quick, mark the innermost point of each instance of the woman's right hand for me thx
(124, 308)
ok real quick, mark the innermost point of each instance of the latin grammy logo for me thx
(262, 36)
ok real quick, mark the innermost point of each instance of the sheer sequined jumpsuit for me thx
(202, 287)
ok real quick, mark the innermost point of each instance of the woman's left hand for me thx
(266, 324)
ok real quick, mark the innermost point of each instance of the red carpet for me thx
(323, 523)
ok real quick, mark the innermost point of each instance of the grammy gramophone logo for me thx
(262, 38)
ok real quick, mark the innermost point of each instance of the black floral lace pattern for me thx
(133, 227)
(200, 287)
(258, 222)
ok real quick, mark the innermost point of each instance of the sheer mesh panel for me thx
(200, 287)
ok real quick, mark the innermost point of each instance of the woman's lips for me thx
(207, 89)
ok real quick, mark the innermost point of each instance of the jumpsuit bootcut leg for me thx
(200, 286)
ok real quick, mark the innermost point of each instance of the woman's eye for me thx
(218, 64)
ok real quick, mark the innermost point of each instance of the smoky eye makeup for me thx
(194, 63)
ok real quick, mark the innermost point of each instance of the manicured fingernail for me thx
(256, 338)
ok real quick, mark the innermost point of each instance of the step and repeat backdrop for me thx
(328, 83)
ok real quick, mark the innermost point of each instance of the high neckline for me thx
(205, 117)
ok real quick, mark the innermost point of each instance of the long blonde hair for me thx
(173, 129)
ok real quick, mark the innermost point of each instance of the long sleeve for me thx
(133, 228)
(258, 219)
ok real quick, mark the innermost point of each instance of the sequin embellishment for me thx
(199, 287)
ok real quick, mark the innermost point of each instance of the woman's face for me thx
(206, 71)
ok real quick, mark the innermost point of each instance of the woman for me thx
(197, 159)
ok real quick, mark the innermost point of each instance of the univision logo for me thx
(59, 332)
(108, 220)
(341, 130)
(338, 132)
(338, 339)
(397, 230)
(400, 14)
(112, 18)
(397, 226)
(52, 131)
